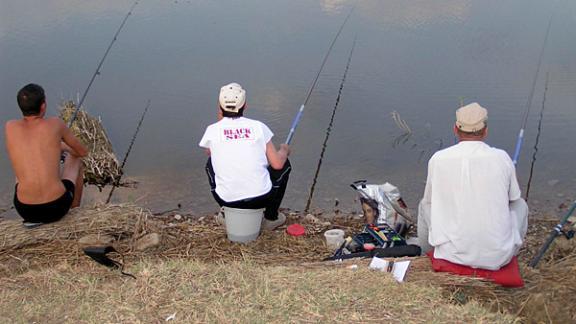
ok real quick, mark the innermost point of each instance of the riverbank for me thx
(196, 273)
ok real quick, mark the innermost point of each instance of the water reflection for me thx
(412, 14)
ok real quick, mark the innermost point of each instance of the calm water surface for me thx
(420, 58)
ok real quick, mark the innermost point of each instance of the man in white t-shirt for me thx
(472, 213)
(244, 169)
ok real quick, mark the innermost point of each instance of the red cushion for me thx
(507, 276)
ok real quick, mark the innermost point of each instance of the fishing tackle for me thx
(117, 182)
(537, 137)
(97, 72)
(301, 110)
(557, 231)
(520, 138)
(329, 129)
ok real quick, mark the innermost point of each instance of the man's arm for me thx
(424, 213)
(277, 158)
(72, 144)
(514, 192)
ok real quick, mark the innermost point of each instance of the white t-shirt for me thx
(468, 191)
(238, 150)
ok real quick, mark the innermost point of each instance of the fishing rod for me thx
(117, 182)
(301, 110)
(97, 72)
(537, 136)
(520, 138)
(329, 129)
(557, 231)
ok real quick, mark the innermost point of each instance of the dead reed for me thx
(101, 166)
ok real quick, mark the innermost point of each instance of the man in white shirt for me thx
(245, 170)
(472, 213)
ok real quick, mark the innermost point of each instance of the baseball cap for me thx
(471, 118)
(232, 97)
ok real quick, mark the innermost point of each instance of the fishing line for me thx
(329, 129)
(520, 138)
(117, 182)
(97, 72)
(535, 152)
(301, 110)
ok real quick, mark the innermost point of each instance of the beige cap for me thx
(471, 118)
(232, 97)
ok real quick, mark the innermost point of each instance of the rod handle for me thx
(556, 232)
(294, 125)
(518, 146)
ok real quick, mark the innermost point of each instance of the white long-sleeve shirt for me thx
(468, 193)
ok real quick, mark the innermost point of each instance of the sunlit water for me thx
(420, 58)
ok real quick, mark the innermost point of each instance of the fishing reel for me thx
(568, 234)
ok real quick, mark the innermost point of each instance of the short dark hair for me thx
(30, 99)
(231, 114)
(477, 133)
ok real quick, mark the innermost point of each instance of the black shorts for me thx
(46, 212)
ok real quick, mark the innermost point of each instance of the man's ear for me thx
(219, 115)
(43, 108)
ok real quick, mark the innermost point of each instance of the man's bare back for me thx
(34, 143)
(34, 147)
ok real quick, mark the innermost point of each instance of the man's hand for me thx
(284, 149)
(277, 158)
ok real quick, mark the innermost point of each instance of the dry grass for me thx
(238, 292)
(204, 244)
(101, 165)
(22, 249)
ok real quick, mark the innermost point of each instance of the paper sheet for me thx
(398, 270)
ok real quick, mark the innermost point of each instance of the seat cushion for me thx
(507, 276)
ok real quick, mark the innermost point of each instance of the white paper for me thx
(378, 264)
(399, 268)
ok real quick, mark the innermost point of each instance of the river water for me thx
(420, 58)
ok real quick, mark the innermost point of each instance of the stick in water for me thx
(329, 129)
(301, 110)
(117, 182)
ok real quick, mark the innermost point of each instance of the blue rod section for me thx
(295, 124)
(299, 115)
(519, 142)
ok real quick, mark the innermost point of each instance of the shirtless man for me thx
(42, 194)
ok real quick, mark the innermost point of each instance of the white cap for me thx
(471, 118)
(232, 97)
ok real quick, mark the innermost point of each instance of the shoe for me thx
(31, 224)
(219, 219)
(270, 225)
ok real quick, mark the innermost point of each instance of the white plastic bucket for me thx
(334, 238)
(243, 225)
